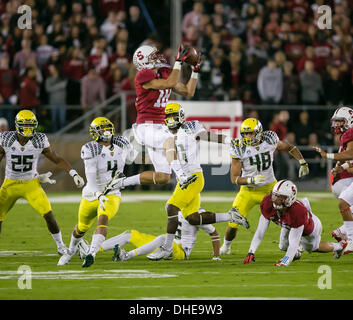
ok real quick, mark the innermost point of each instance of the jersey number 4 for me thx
(262, 161)
(23, 162)
(113, 167)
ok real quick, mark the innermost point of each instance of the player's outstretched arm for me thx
(296, 154)
(63, 165)
(341, 156)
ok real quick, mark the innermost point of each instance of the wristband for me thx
(194, 75)
(72, 172)
(177, 65)
(345, 166)
(249, 181)
(330, 156)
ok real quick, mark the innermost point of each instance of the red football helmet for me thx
(342, 120)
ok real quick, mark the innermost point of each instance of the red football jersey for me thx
(150, 103)
(344, 139)
(296, 216)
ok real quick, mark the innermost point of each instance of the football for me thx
(194, 55)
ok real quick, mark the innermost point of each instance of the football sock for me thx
(348, 226)
(148, 247)
(227, 243)
(121, 240)
(168, 244)
(74, 243)
(58, 238)
(132, 181)
(222, 217)
(97, 240)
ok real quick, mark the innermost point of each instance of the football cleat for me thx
(83, 249)
(237, 218)
(214, 258)
(224, 250)
(119, 254)
(65, 258)
(338, 253)
(339, 235)
(349, 247)
(297, 255)
(62, 250)
(89, 260)
(160, 254)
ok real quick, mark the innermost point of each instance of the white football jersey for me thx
(22, 161)
(258, 159)
(188, 148)
(105, 161)
(186, 233)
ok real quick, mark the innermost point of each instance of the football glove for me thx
(182, 54)
(304, 168)
(101, 199)
(45, 178)
(249, 258)
(116, 183)
(197, 66)
(255, 180)
(79, 181)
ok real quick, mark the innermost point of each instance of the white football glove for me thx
(101, 199)
(255, 180)
(45, 178)
(79, 181)
(304, 168)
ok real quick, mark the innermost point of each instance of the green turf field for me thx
(26, 241)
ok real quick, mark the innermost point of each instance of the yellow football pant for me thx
(188, 200)
(31, 190)
(248, 197)
(90, 210)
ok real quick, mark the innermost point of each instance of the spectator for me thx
(193, 18)
(270, 83)
(220, 76)
(4, 125)
(106, 6)
(43, 51)
(92, 92)
(98, 57)
(109, 27)
(116, 81)
(302, 129)
(295, 48)
(121, 57)
(291, 85)
(309, 55)
(55, 85)
(235, 26)
(334, 88)
(21, 57)
(137, 27)
(311, 85)
(191, 36)
(29, 91)
(315, 160)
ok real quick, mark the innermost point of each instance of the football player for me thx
(154, 82)
(187, 135)
(183, 243)
(104, 158)
(21, 149)
(342, 124)
(252, 169)
(301, 229)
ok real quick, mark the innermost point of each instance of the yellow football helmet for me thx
(26, 123)
(101, 129)
(251, 125)
(174, 115)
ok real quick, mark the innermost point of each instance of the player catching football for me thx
(103, 158)
(22, 149)
(342, 124)
(301, 229)
(251, 168)
(154, 82)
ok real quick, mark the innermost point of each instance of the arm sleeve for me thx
(259, 234)
(294, 240)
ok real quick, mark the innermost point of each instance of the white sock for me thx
(168, 244)
(348, 227)
(132, 181)
(97, 240)
(74, 243)
(58, 238)
(148, 247)
(227, 243)
(222, 217)
(121, 240)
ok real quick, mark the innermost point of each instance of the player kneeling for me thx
(104, 160)
(301, 229)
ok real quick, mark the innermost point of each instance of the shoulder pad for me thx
(91, 149)
(7, 138)
(237, 148)
(189, 125)
(38, 140)
(121, 142)
(270, 137)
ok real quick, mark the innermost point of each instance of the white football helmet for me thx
(283, 194)
(342, 114)
(147, 57)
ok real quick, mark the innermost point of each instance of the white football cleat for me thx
(216, 258)
(83, 249)
(349, 247)
(339, 235)
(62, 250)
(224, 250)
(237, 218)
(338, 253)
(160, 254)
(119, 254)
(65, 258)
